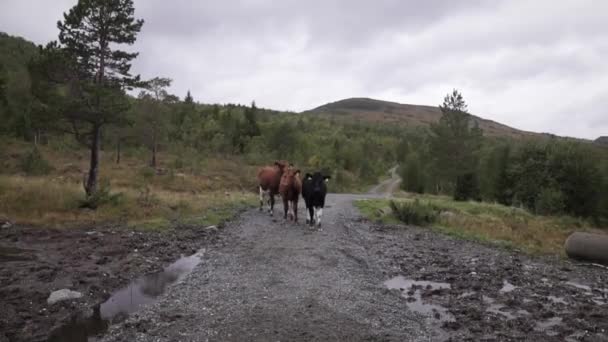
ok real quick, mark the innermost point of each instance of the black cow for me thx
(314, 191)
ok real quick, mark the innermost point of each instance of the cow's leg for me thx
(310, 219)
(285, 207)
(295, 210)
(261, 198)
(271, 206)
(290, 209)
(319, 212)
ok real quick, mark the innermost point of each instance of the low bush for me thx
(103, 196)
(415, 213)
(34, 164)
(550, 202)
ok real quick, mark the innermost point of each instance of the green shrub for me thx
(415, 213)
(412, 175)
(34, 164)
(550, 201)
(467, 187)
(101, 197)
(147, 173)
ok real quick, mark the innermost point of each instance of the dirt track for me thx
(273, 281)
(387, 187)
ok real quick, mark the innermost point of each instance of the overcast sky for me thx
(537, 65)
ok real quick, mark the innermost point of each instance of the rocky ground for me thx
(357, 281)
(92, 261)
(264, 279)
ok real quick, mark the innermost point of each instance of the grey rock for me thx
(61, 295)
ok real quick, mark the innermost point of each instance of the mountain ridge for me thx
(381, 111)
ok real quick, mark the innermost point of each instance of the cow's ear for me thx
(297, 172)
(277, 163)
(308, 176)
(327, 178)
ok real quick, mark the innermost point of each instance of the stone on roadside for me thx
(61, 295)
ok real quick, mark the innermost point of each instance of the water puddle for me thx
(507, 287)
(557, 300)
(579, 286)
(15, 254)
(546, 325)
(412, 291)
(496, 308)
(141, 292)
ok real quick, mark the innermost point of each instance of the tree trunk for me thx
(118, 152)
(91, 182)
(153, 161)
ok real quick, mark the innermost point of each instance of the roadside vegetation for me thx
(493, 223)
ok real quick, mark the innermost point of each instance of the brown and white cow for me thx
(290, 189)
(269, 179)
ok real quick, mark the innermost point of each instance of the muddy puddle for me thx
(15, 254)
(415, 292)
(137, 294)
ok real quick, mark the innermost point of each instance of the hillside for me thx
(370, 110)
(603, 140)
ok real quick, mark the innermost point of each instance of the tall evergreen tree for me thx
(454, 142)
(98, 72)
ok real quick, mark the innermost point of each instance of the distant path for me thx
(387, 187)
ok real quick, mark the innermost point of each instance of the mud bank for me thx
(95, 261)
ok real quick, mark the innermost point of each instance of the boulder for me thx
(64, 294)
(588, 246)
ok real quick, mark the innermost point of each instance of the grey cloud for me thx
(523, 63)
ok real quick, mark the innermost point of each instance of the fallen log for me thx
(587, 246)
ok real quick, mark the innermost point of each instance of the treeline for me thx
(549, 177)
(77, 89)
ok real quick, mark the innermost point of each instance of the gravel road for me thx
(270, 280)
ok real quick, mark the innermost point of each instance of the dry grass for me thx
(494, 223)
(205, 192)
(55, 203)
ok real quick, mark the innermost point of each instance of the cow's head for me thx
(281, 164)
(290, 174)
(317, 180)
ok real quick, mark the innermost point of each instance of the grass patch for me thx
(43, 187)
(56, 203)
(485, 222)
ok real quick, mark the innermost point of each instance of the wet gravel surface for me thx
(270, 280)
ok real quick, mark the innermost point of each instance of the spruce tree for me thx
(454, 142)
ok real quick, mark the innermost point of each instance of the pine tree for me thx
(155, 113)
(454, 142)
(96, 70)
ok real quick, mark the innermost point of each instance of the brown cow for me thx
(269, 178)
(290, 189)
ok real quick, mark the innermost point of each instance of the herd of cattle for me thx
(283, 179)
